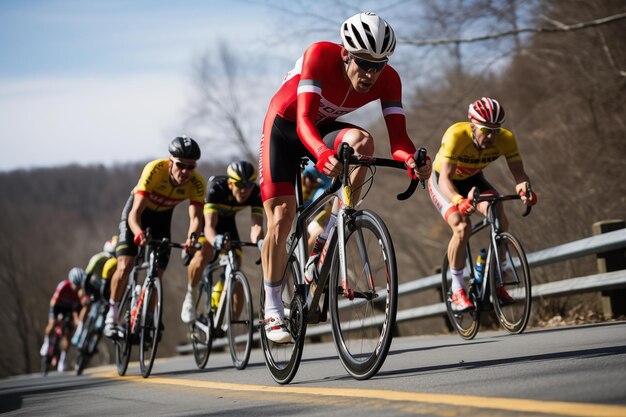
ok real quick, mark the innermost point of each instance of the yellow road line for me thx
(506, 404)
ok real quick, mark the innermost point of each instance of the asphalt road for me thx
(568, 371)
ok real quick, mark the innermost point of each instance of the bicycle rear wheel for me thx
(465, 323)
(283, 359)
(515, 279)
(150, 326)
(239, 318)
(123, 345)
(202, 327)
(363, 319)
(86, 341)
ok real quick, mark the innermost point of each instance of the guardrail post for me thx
(613, 301)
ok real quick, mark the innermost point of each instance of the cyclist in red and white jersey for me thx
(65, 302)
(328, 81)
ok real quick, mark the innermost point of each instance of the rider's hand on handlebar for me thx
(522, 189)
(141, 239)
(328, 164)
(415, 172)
(465, 205)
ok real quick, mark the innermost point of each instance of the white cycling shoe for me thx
(187, 314)
(276, 331)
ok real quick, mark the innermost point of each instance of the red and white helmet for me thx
(486, 110)
(368, 33)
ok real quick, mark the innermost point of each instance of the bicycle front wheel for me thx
(123, 345)
(512, 275)
(239, 319)
(283, 359)
(466, 323)
(363, 309)
(202, 327)
(150, 331)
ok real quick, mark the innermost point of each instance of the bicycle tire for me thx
(362, 333)
(283, 360)
(123, 346)
(239, 330)
(150, 326)
(202, 341)
(465, 323)
(83, 348)
(512, 317)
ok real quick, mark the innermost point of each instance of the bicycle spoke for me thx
(467, 323)
(239, 316)
(363, 318)
(513, 277)
(283, 359)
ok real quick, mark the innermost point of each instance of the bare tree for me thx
(218, 104)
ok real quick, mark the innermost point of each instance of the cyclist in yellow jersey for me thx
(226, 196)
(466, 149)
(164, 183)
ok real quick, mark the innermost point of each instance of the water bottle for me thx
(216, 294)
(480, 266)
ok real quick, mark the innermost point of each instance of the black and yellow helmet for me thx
(241, 172)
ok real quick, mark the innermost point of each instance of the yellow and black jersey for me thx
(156, 185)
(220, 200)
(457, 147)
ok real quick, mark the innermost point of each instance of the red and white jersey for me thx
(65, 294)
(317, 91)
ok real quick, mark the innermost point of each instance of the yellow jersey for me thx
(156, 185)
(457, 147)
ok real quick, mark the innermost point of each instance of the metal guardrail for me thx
(587, 246)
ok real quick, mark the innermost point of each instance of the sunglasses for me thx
(487, 130)
(367, 65)
(241, 184)
(182, 165)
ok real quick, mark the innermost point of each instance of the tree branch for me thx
(556, 28)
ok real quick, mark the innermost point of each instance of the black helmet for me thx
(241, 171)
(185, 147)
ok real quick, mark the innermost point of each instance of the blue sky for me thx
(107, 82)
(112, 81)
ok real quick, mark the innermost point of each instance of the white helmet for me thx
(109, 245)
(368, 33)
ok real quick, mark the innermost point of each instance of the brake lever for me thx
(528, 193)
(420, 160)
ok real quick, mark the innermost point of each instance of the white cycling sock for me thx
(273, 300)
(112, 315)
(457, 279)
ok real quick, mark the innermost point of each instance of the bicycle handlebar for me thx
(347, 156)
(492, 198)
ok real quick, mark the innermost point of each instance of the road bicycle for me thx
(233, 316)
(91, 334)
(357, 278)
(506, 266)
(62, 329)
(141, 308)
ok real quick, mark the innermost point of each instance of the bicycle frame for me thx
(229, 263)
(492, 221)
(340, 188)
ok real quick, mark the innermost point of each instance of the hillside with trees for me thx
(563, 92)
